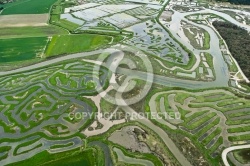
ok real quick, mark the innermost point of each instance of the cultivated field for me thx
(66, 44)
(20, 49)
(21, 20)
(20, 32)
(28, 7)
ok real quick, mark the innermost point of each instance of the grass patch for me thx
(62, 145)
(192, 34)
(55, 19)
(20, 32)
(193, 116)
(239, 129)
(28, 7)
(207, 127)
(216, 145)
(73, 157)
(206, 40)
(245, 137)
(200, 121)
(216, 132)
(66, 44)
(4, 149)
(21, 49)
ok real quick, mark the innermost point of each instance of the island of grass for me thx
(199, 38)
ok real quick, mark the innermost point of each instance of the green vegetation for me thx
(72, 157)
(244, 137)
(208, 127)
(34, 7)
(209, 59)
(21, 32)
(152, 138)
(237, 2)
(4, 149)
(66, 44)
(239, 129)
(62, 145)
(44, 105)
(243, 156)
(53, 129)
(203, 127)
(55, 20)
(238, 43)
(137, 155)
(106, 106)
(206, 40)
(42, 100)
(56, 10)
(213, 135)
(192, 33)
(26, 144)
(198, 122)
(20, 49)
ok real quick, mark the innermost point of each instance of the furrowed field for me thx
(34, 7)
(20, 49)
(66, 44)
(18, 32)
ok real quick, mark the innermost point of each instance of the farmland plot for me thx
(13, 50)
(21, 20)
(65, 44)
(34, 7)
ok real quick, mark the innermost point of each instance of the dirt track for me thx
(21, 20)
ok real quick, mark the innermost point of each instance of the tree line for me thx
(237, 2)
(238, 40)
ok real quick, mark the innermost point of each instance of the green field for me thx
(28, 7)
(20, 49)
(73, 157)
(20, 32)
(66, 44)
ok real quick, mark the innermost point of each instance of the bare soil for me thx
(21, 20)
